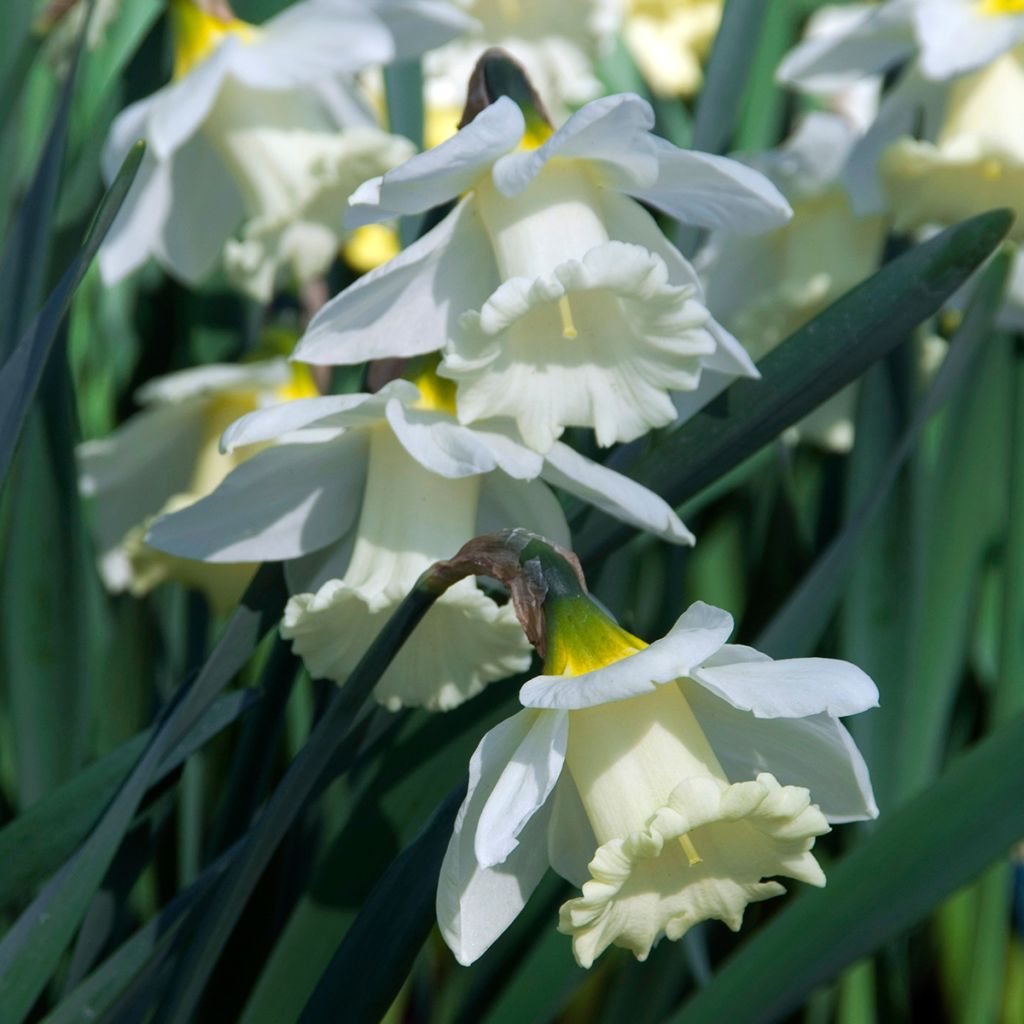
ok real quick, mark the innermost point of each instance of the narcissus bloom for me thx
(670, 39)
(360, 494)
(672, 782)
(764, 288)
(255, 146)
(960, 89)
(165, 458)
(555, 296)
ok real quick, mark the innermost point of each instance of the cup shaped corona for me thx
(673, 783)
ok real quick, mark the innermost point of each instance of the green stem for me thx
(288, 802)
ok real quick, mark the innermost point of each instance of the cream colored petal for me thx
(464, 642)
(147, 568)
(926, 185)
(647, 884)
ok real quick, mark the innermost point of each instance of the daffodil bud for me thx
(673, 781)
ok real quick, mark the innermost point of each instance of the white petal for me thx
(132, 472)
(420, 25)
(185, 104)
(408, 305)
(474, 905)
(612, 132)
(214, 378)
(713, 192)
(328, 411)
(523, 786)
(202, 218)
(698, 633)
(526, 504)
(956, 37)
(282, 503)
(910, 100)
(874, 38)
(311, 40)
(511, 455)
(441, 173)
(437, 442)
(628, 221)
(613, 493)
(571, 841)
(791, 688)
(816, 752)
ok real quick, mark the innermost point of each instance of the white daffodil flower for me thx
(673, 782)
(764, 288)
(556, 43)
(255, 146)
(557, 298)
(165, 458)
(360, 494)
(960, 89)
(670, 40)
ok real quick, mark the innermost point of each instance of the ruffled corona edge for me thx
(597, 343)
(463, 643)
(645, 885)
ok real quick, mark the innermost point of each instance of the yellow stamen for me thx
(565, 311)
(690, 850)
(511, 10)
(436, 393)
(197, 33)
(301, 385)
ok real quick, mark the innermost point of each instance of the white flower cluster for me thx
(670, 782)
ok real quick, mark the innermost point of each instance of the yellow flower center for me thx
(301, 385)
(370, 246)
(436, 393)
(198, 32)
(1000, 8)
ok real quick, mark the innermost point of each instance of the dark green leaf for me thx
(20, 375)
(813, 364)
(32, 949)
(369, 967)
(732, 58)
(799, 624)
(37, 842)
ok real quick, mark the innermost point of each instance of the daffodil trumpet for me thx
(552, 294)
(672, 782)
(358, 494)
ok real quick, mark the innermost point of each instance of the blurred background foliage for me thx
(151, 865)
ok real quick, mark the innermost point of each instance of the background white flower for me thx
(166, 457)
(764, 288)
(360, 494)
(257, 143)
